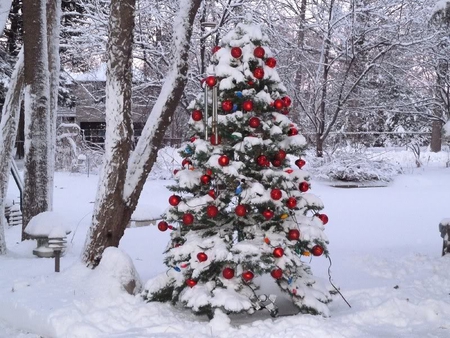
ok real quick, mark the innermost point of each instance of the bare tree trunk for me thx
(53, 28)
(120, 204)
(36, 77)
(107, 226)
(436, 136)
(320, 119)
(8, 128)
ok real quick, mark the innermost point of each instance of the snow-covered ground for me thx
(386, 260)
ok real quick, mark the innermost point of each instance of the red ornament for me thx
(201, 256)
(303, 186)
(258, 73)
(250, 83)
(191, 283)
(323, 218)
(291, 202)
(278, 104)
(205, 179)
(227, 105)
(215, 49)
(278, 252)
(163, 226)
(262, 160)
(215, 141)
(228, 273)
(276, 163)
(188, 219)
(247, 105)
(223, 160)
(186, 161)
(211, 81)
(317, 250)
(174, 200)
(268, 214)
(292, 132)
(212, 193)
(277, 273)
(300, 163)
(271, 62)
(212, 211)
(248, 276)
(259, 52)
(285, 111)
(289, 171)
(254, 122)
(197, 115)
(241, 210)
(276, 194)
(193, 138)
(286, 100)
(236, 52)
(293, 235)
(280, 155)
(209, 172)
(175, 171)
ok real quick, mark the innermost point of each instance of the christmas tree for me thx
(241, 206)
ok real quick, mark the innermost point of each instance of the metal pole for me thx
(57, 259)
(215, 116)
(206, 111)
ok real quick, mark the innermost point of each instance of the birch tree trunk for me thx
(8, 128)
(119, 205)
(107, 228)
(53, 29)
(37, 118)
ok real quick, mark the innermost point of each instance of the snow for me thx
(5, 6)
(46, 223)
(385, 248)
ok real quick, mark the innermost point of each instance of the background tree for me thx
(36, 195)
(103, 234)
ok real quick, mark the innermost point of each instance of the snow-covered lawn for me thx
(386, 260)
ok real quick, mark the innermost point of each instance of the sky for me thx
(385, 250)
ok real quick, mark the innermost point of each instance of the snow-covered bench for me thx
(44, 226)
(444, 228)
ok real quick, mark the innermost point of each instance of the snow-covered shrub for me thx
(353, 165)
(70, 147)
(167, 161)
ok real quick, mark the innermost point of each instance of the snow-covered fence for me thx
(444, 228)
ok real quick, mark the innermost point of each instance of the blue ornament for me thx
(238, 190)
(188, 150)
(235, 107)
(239, 94)
(176, 268)
(290, 280)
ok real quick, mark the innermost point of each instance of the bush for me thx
(352, 165)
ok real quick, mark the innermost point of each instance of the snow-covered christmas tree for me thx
(241, 206)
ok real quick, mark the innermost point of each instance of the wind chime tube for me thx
(215, 116)
(206, 111)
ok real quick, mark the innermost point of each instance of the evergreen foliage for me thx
(235, 221)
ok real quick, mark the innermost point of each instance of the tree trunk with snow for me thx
(53, 29)
(107, 228)
(37, 118)
(122, 203)
(436, 136)
(8, 128)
